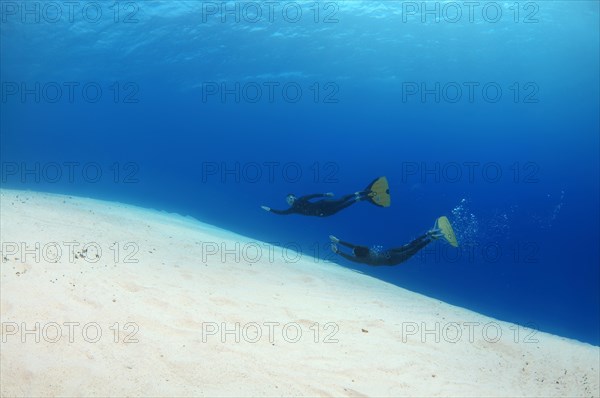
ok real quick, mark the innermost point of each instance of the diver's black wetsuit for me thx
(365, 255)
(320, 208)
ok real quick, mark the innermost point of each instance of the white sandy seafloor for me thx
(155, 307)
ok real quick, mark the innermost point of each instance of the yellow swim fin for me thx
(379, 192)
(443, 224)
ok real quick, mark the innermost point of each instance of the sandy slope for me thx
(358, 336)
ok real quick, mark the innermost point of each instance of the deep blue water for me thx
(517, 174)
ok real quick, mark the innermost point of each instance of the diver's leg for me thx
(405, 252)
(417, 246)
(347, 197)
(411, 244)
(356, 197)
(346, 201)
(343, 205)
(328, 208)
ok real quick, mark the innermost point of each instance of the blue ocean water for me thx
(487, 114)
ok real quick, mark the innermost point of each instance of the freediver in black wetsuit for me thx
(319, 208)
(377, 256)
(377, 193)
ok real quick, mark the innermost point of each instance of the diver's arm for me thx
(347, 244)
(349, 257)
(291, 210)
(335, 240)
